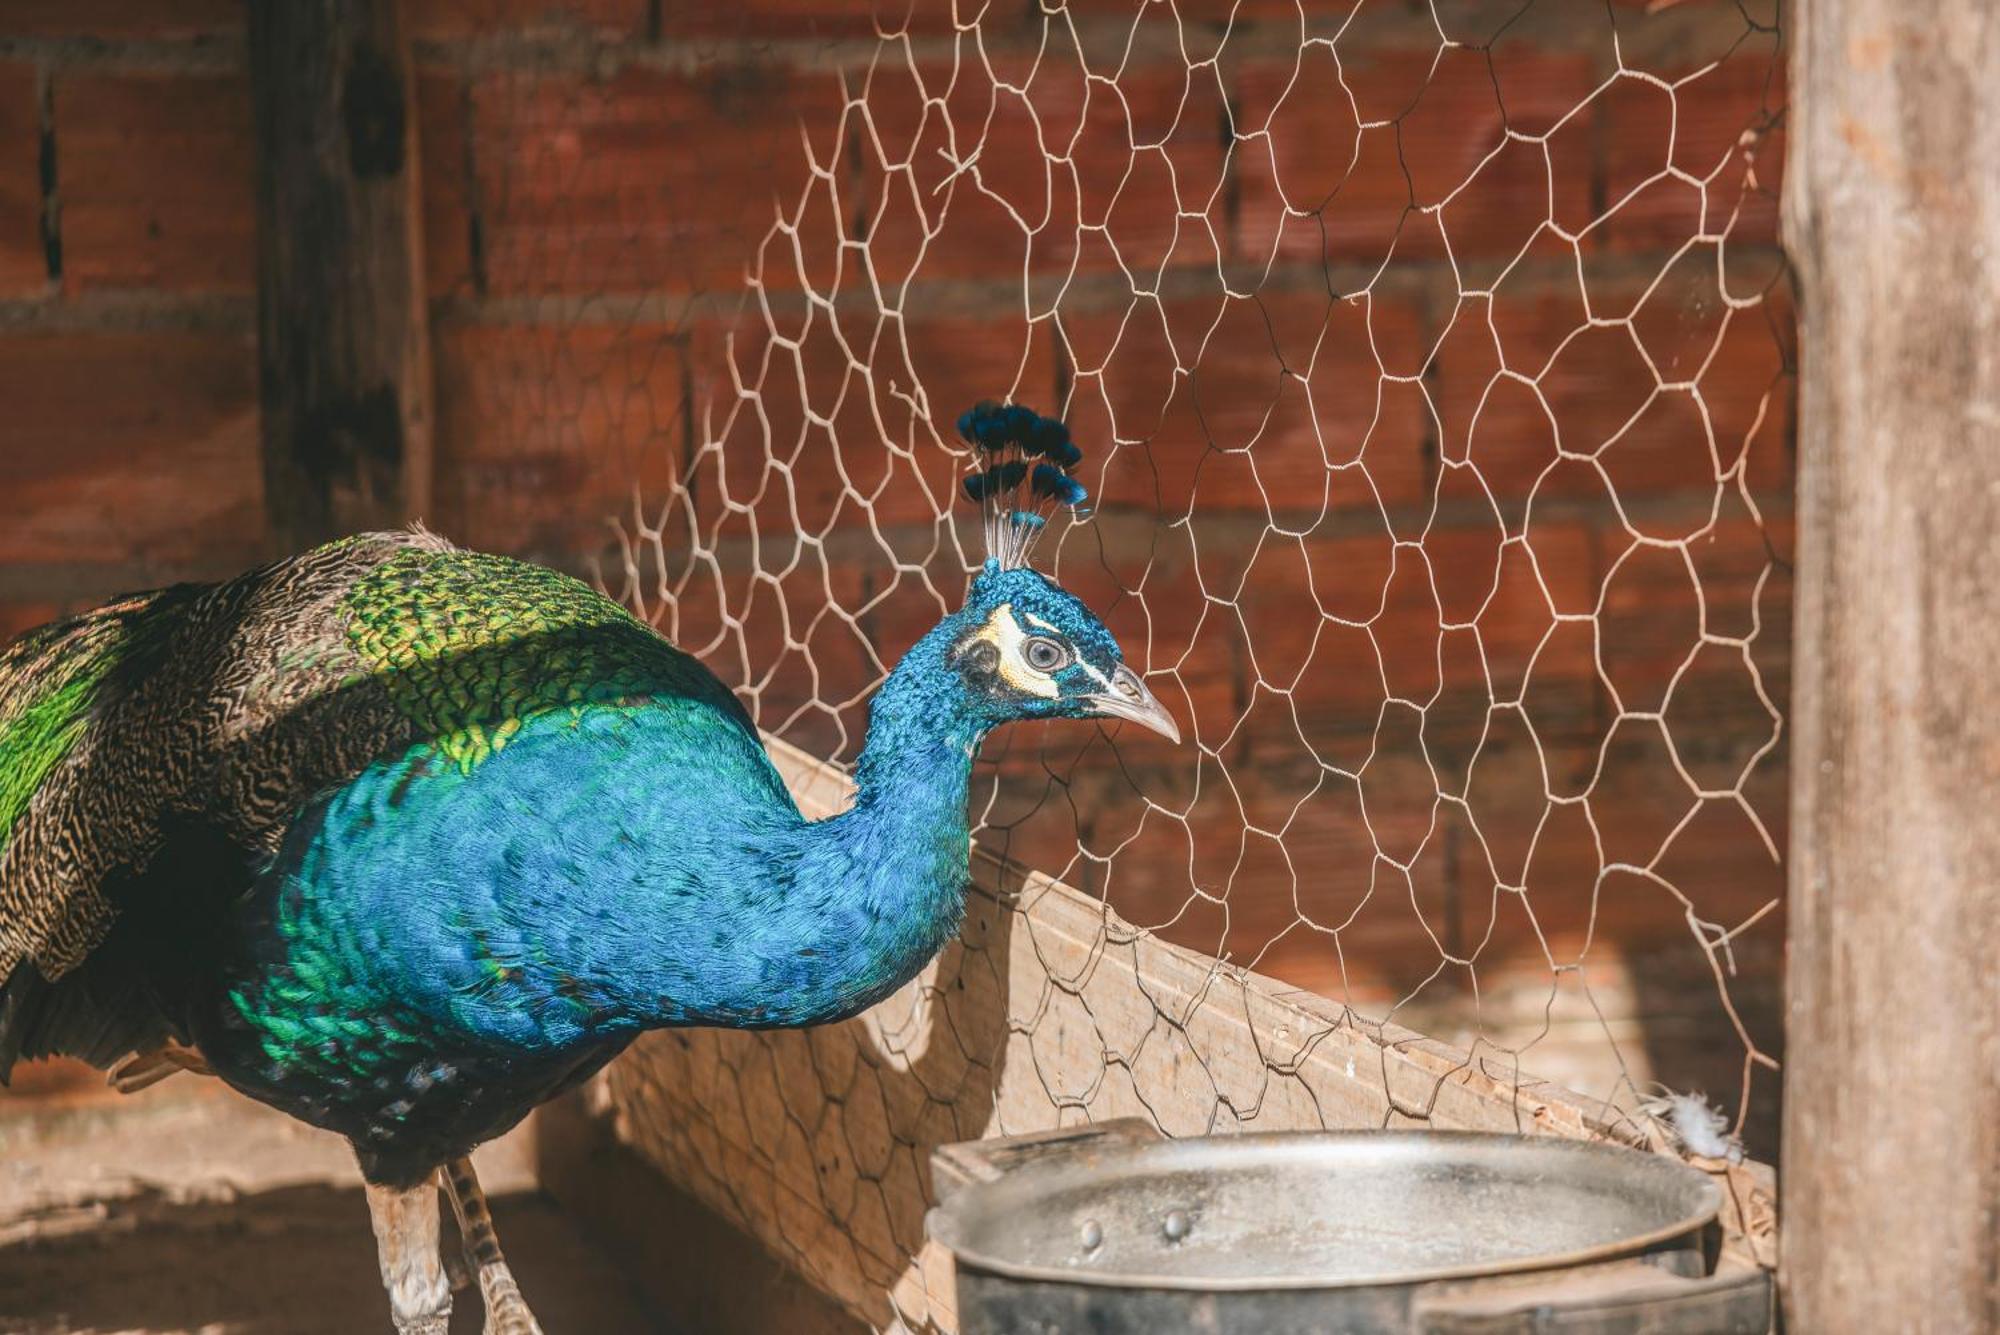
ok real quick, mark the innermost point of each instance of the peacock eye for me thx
(1046, 655)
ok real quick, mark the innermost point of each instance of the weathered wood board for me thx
(1892, 1086)
(343, 332)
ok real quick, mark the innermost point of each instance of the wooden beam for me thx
(1891, 1157)
(343, 342)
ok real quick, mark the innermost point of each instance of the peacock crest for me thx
(1023, 466)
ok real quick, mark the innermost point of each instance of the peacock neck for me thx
(830, 916)
(895, 863)
(915, 770)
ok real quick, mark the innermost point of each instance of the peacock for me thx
(403, 839)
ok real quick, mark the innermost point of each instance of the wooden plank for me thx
(1048, 1011)
(1891, 1159)
(343, 342)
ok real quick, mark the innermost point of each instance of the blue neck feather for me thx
(836, 914)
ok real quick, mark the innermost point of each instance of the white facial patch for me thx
(1004, 633)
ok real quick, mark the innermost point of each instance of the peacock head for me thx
(1022, 647)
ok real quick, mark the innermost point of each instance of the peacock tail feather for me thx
(48, 682)
(230, 703)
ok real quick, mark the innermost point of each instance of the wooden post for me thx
(343, 339)
(1891, 1157)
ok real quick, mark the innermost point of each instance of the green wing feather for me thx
(469, 646)
(229, 704)
(48, 680)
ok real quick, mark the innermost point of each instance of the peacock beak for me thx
(1129, 699)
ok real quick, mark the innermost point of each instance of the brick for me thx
(958, 232)
(804, 692)
(1501, 207)
(1053, 153)
(443, 19)
(544, 432)
(1564, 701)
(812, 19)
(1455, 721)
(1537, 305)
(906, 604)
(1562, 887)
(1706, 129)
(1282, 411)
(1751, 390)
(1512, 445)
(1470, 346)
(1280, 608)
(645, 181)
(55, 1086)
(1145, 583)
(1597, 393)
(1721, 863)
(1307, 153)
(1408, 630)
(1649, 624)
(23, 266)
(1398, 790)
(1721, 712)
(1553, 572)
(1340, 697)
(1463, 558)
(1145, 153)
(112, 19)
(1681, 312)
(1456, 135)
(1597, 384)
(1423, 128)
(1573, 156)
(163, 471)
(1507, 797)
(156, 177)
(1732, 560)
(815, 453)
(1641, 796)
(1291, 885)
(1154, 879)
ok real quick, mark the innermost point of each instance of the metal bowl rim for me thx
(940, 1219)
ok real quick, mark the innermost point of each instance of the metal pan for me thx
(1320, 1231)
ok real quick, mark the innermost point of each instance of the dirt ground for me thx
(189, 1211)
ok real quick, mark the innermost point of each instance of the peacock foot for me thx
(425, 1325)
(506, 1311)
(457, 1270)
(406, 1236)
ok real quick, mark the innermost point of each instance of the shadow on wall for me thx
(290, 1261)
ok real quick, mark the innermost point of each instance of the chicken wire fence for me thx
(1433, 368)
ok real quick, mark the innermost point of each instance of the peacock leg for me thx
(406, 1243)
(506, 1311)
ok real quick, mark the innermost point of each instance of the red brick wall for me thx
(598, 177)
